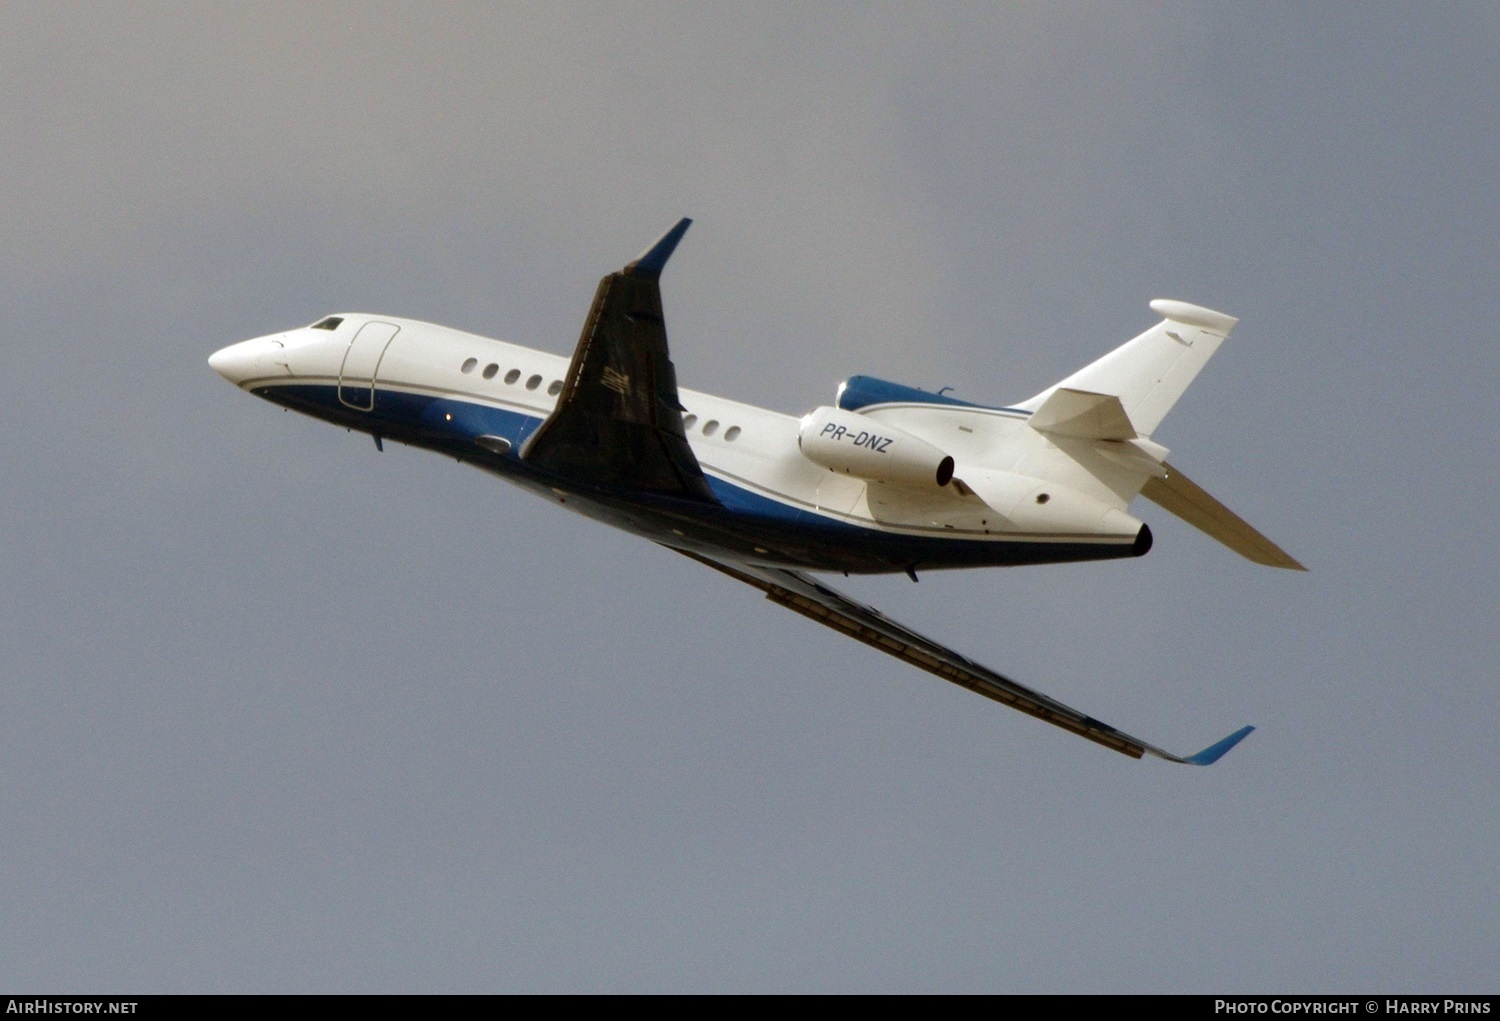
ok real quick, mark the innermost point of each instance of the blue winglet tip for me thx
(653, 260)
(1214, 752)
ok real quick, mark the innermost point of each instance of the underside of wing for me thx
(618, 421)
(832, 609)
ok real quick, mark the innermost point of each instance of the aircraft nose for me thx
(249, 359)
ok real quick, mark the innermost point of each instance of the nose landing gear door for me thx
(362, 364)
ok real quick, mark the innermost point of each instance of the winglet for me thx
(653, 260)
(1214, 752)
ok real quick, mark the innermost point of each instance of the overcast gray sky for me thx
(285, 714)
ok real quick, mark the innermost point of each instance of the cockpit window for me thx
(331, 323)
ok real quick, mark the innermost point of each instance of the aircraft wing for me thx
(813, 599)
(618, 421)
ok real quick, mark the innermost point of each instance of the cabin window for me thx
(468, 365)
(331, 323)
(710, 427)
(512, 375)
(688, 421)
(533, 382)
(555, 387)
(490, 370)
(732, 433)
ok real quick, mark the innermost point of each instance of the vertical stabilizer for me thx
(1148, 374)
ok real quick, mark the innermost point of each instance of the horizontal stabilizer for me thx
(1183, 497)
(1083, 415)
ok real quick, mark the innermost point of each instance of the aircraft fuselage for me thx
(480, 400)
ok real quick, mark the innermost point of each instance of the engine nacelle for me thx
(855, 445)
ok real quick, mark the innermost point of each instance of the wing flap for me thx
(618, 421)
(832, 609)
(1185, 498)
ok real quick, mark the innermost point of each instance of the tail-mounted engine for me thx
(852, 444)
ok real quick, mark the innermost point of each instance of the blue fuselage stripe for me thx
(744, 522)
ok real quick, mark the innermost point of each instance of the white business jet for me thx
(886, 479)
